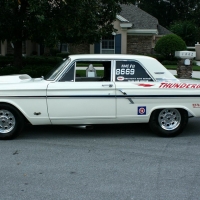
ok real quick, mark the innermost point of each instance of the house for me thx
(137, 33)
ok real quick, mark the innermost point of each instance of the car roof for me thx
(108, 56)
(155, 68)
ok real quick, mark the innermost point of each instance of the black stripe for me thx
(101, 96)
(122, 96)
(6, 97)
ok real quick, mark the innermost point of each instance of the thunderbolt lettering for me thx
(179, 85)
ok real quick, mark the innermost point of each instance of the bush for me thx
(30, 72)
(10, 54)
(42, 60)
(41, 70)
(167, 45)
(6, 60)
(35, 66)
(158, 57)
(187, 30)
(169, 62)
(53, 52)
(9, 70)
(62, 55)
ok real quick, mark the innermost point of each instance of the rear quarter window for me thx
(131, 71)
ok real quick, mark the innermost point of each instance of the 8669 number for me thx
(125, 71)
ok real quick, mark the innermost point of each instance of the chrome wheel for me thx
(7, 121)
(169, 119)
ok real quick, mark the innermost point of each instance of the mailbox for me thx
(185, 54)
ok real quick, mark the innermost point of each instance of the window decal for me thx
(130, 71)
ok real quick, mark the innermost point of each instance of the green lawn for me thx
(82, 73)
(174, 67)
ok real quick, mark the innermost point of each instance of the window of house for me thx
(63, 47)
(131, 71)
(108, 45)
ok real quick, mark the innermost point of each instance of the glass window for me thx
(93, 71)
(69, 74)
(131, 71)
(57, 70)
(63, 47)
(108, 45)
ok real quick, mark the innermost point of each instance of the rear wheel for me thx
(11, 122)
(168, 122)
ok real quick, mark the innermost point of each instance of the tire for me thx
(11, 122)
(168, 122)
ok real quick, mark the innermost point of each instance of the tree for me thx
(167, 11)
(50, 21)
(167, 45)
(187, 30)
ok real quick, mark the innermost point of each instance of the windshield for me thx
(56, 70)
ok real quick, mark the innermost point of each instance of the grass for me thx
(82, 73)
(174, 67)
(86, 65)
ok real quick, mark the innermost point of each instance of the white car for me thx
(99, 89)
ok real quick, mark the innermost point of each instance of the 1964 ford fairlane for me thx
(99, 89)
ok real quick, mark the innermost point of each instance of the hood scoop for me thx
(15, 78)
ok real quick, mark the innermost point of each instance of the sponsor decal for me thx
(120, 78)
(145, 85)
(179, 85)
(196, 105)
(142, 110)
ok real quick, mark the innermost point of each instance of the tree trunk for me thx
(18, 54)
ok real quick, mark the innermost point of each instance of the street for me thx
(109, 162)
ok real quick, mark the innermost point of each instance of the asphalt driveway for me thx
(122, 162)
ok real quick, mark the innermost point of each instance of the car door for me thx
(74, 101)
(132, 82)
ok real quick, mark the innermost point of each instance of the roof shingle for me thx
(139, 18)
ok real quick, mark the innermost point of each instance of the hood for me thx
(15, 78)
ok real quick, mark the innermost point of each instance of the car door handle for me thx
(107, 85)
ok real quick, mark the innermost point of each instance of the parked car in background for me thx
(99, 89)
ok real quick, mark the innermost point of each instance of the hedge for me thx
(35, 66)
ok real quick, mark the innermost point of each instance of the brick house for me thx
(137, 33)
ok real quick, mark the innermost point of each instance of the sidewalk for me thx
(195, 74)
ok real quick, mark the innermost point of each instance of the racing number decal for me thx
(130, 71)
(127, 71)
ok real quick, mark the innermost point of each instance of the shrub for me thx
(62, 55)
(9, 70)
(187, 30)
(42, 60)
(53, 52)
(36, 70)
(30, 72)
(6, 60)
(167, 45)
(158, 57)
(10, 54)
(169, 62)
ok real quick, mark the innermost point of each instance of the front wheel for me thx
(168, 122)
(11, 122)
